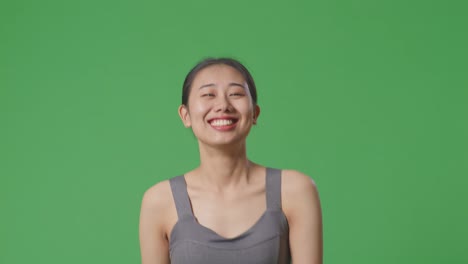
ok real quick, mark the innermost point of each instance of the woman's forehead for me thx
(218, 74)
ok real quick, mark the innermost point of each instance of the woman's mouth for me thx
(223, 123)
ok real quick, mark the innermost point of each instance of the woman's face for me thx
(220, 108)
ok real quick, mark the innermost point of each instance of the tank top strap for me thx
(273, 188)
(181, 198)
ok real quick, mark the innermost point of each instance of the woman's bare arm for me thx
(153, 239)
(301, 205)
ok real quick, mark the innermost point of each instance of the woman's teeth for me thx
(221, 122)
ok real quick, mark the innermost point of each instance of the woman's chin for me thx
(224, 142)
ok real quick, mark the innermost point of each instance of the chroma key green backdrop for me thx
(369, 98)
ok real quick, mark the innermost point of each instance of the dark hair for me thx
(217, 61)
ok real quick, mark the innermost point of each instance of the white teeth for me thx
(221, 122)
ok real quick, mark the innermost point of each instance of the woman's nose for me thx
(223, 104)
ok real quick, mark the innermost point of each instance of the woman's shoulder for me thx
(299, 193)
(296, 180)
(159, 195)
(158, 205)
(156, 201)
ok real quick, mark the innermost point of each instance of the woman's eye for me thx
(207, 95)
(237, 94)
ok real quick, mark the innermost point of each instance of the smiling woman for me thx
(228, 209)
(220, 100)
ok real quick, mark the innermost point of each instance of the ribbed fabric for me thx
(266, 242)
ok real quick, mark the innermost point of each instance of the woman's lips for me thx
(223, 123)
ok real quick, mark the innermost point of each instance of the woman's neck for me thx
(223, 168)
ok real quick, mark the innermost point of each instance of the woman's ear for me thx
(256, 114)
(185, 116)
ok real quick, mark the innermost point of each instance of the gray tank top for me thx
(266, 242)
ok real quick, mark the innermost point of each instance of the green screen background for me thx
(369, 98)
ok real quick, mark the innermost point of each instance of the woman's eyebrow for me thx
(236, 84)
(212, 84)
(207, 85)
